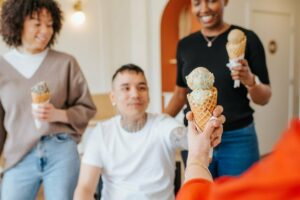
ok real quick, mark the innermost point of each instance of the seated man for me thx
(134, 151)
(275, 177)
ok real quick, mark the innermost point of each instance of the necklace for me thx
(209, 41)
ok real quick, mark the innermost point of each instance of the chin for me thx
(137, 113)
(209, 25)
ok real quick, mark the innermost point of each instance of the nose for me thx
(45, 29)
(203, 7)
(134, 93)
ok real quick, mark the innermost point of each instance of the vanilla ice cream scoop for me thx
(236, 36)
(236, 44)
(200, 78)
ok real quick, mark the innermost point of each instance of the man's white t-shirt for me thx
(138, 165)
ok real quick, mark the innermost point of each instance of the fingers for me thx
(241, 72)
(192, 128)
(39, 115)
(243, 62)
(217, 137)
(43, 111)
(218, 111)
(189, 116)
(222, 119)
(217, 130)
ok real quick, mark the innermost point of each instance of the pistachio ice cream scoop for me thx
(203, 98)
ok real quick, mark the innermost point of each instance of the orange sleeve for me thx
(194, 189)
(275, 177)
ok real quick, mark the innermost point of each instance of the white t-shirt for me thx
(135, 166)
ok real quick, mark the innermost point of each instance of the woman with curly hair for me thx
(46, 154)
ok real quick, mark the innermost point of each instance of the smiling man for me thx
(135, 150)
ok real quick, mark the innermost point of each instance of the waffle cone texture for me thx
(236, 50)
(203, 111)
(40, 98)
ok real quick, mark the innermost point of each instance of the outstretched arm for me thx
(200, 143)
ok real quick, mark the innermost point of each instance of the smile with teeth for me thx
(41, 39)
(206, 18)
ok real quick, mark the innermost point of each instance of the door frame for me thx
(254, 7)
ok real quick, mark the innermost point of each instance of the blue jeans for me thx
(236, 153)
(54, 161)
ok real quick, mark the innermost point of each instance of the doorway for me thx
(177, 22)
(277, 39)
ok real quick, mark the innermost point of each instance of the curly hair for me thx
(13, 15)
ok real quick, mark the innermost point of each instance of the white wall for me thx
(83, 42)
(297, 63)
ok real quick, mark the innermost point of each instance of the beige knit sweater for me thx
(69, 90)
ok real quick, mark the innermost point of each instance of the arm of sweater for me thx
(80, 104)
(258, 180)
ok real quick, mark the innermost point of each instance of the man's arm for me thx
(179, 138)
(177, 101)
(87, 183)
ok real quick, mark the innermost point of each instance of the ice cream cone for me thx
(236, 44)
(40, 98)
(236, 47)
(40, 94)
(236, 51)
(203, 110)
(203, 98)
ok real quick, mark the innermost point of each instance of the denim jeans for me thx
(236, 153)
(54, 162)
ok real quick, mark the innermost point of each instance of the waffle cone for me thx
(203, 112)
(236, 50)
(40, 98)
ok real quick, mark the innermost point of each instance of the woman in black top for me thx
(207, 48)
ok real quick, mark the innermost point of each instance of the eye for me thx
(37, 23)
(211, 1)
(196, 3)
(124, 89)
(50, 25)
(142, 88)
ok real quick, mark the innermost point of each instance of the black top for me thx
(192, 52)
